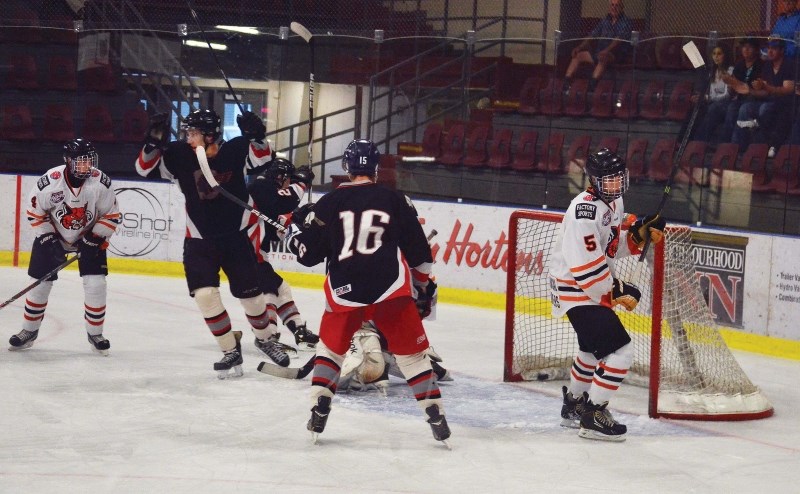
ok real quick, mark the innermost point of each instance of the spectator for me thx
(745, 72)
(612, 32)
(764, 118)
(787, 24)
(718, 95)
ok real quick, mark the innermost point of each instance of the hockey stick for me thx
(40, 280)
(202, 159)
(691, 51)
(304, 33)
(213, 54)
(287, 372)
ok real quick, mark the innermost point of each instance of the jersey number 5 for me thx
(590, 242)
(368, 239)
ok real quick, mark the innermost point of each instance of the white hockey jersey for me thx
(54, 206)
(592, 234)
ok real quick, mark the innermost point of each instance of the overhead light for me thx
(239, 29)
(202, 44)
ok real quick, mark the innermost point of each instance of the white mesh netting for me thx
(697, 374)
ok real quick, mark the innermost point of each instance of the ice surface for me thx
(152, 416)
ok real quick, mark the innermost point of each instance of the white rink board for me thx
(470, 249)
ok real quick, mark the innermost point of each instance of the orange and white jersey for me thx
(54, 206)
(592, 234)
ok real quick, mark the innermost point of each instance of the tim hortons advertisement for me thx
(719, 262)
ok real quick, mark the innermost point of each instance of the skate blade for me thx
(18, 348)
(104, 353)
(598, 436)
(236, 371)
(446, 444)
(571, 424)
(314, 438)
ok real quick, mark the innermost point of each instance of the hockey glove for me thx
(91, 245)
(303, 175)
(252, 126)
(626, 294)
(425, 297)
(654, 224)
(158, 131)
(51, 247)
(304, 215)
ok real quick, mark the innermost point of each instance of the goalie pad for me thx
(364, 362)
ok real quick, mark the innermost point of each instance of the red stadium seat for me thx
(754, 160)
(576, 97)
(134, 125)
(20, 25)
(724, 158)
(551, 161)
(97, 124)
(609, 142)
(637, 150)
(694, 156)
(58, 123)
(550, 97)
(627, 101)
(679, 101)
(101, 78)
(525, 152)
(453, 148)
(661, 160)
(476, 146)
(62, 74)
(17, 123)
(579, 149)
(22, 73)
(432, 140)
(646, 57)
(529, 95)
(500, 149)
(603, 99)
(669, 53)
(653, 101)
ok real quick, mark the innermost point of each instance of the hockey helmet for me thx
(608, 174)
(279, 170)
(361, 157)
(80, 158)
(206, 121)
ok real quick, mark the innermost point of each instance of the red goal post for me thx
(679, 354)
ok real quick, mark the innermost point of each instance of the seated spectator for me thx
(765, 118)
(745, 72)
(786, 25)
(612, 32)
(717, 97)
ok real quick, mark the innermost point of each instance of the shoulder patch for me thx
(585, 211)
(43, 182)
(105, 180)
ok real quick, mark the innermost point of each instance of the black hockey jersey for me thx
(370, 236)
(273, 202)
(209, 214)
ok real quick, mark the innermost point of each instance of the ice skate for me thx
(571, 410)
(230, 365)
(442, 374)
(441, 431)
(99, 344)
(22, 340)
(597, 423)
(274, 350)
(305, 339)
(319, 417)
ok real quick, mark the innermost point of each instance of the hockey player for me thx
(215, 226)
(369, 237)
(277, 191)
(71, 208)
(593, 233)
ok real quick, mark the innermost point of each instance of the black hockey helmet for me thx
(608, 174)
(361, 157)
(80, 157)
(206, 121)
(279, 170)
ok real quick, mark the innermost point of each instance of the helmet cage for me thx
(81, 158)
(611, 186)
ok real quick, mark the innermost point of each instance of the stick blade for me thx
(691, 51)
(287, 372)
(205, 169)
(300, 30)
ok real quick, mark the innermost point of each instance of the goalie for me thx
(594, 232)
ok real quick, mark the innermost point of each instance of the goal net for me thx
(679, 353)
